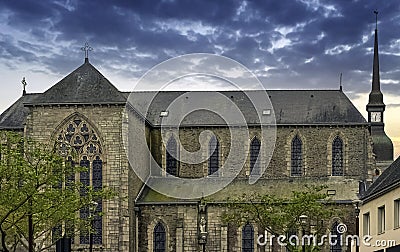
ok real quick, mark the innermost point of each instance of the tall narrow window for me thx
(366, 224)
(80, 144)
(337, 157)
(254, 152)
(69, 182)
(159, 238)
(172, 154)
(381, 219)
(248, 238)
(297, 157)
(336, 238)
(213, 162)
(97, 182)
(84, 178)
(396, 213)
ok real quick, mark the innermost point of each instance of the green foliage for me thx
(280, 216)
(34, 182)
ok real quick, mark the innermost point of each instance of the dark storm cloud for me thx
(303, 44)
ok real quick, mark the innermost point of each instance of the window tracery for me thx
(79, 143)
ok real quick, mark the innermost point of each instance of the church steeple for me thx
(376, 97)
(383, 146)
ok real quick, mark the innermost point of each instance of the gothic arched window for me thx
(79, 143)
(171, 160)
(97, 183)
(337, 157)
(336, 238)
(296, 157)
(213, 162)
(254, 152)
(248, 238)
(159, 238)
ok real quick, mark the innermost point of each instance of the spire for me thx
(376, 97)
(86, 49)
(376, 84)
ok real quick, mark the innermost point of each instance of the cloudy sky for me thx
(288, 44)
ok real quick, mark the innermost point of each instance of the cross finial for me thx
(24, 85)
(86, 49)
(376, 19)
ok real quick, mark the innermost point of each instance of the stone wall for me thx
(317, 150)
(41, 126)
(181, 225)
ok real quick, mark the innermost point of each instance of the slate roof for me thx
(85, 85)
(291, 107)
(389, 179)
(14, 117)
(345, 190)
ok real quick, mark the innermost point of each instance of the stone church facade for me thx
(321, 138)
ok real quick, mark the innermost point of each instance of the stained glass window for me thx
(97, 179)
(159, 238)
(213, 162)
(171, 153)
(80, 144)
(97, 183)
(337, 157)
(254, 151)
(84, 178)
(297, 158)
(248, 238)
(98, 224)
(70, 180)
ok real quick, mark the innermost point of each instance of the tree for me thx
(38, 195)
(283, 215)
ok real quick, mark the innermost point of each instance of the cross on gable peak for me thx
(86, 49)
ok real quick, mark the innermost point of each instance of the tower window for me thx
(337, 157)
(297, 157)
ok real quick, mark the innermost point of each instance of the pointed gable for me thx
(85, 85)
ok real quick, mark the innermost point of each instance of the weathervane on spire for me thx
(376, 19)
(24, 86)
(86, 49)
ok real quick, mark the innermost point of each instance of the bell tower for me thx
(383, 146)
